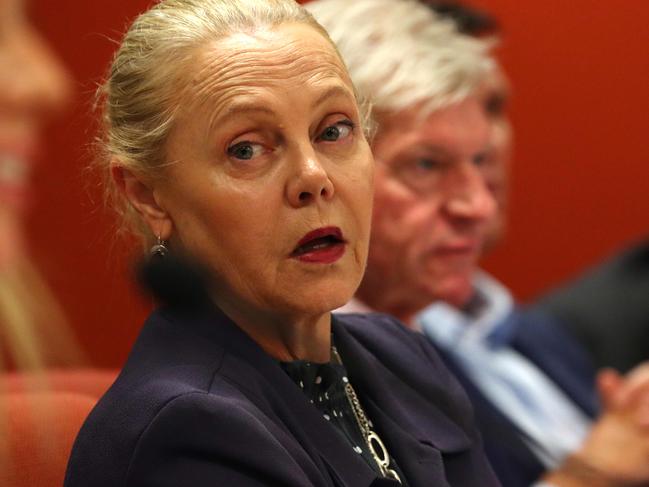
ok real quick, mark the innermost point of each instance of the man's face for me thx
(431, 207)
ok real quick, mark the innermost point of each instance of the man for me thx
(435, 206)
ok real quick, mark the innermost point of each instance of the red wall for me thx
(580, 71)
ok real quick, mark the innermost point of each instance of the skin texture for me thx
(431, 208)
(278, 95)
(33, 85)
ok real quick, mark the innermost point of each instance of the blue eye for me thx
(337, 131)
(245, 150)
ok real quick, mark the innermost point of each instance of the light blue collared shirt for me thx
(521, 391)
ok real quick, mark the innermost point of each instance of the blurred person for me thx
(34, 334)
(233, 138)
(496, 92)
(607, 308)
(33, 86)
(532, 386)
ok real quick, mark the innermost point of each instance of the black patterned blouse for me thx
(324, 385)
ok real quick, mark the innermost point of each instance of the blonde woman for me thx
(234, 134)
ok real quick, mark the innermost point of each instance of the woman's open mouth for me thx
(322, 246)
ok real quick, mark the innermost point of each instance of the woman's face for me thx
(32, 85)
(270, 176)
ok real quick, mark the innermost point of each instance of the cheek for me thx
(402, 223)
(356, 184)
(502, 141)
(217, 220)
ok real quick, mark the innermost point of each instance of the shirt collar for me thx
(488, 310)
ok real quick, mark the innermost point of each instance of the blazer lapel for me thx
(417, 444)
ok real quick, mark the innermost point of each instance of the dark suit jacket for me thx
(536, 337)
(200, 404)
(607, 309)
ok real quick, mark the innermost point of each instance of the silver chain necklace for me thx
(374, 444)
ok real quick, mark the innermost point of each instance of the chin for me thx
(456, 291)
(324, 298)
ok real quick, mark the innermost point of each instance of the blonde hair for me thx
(140, 98)
(401, 54)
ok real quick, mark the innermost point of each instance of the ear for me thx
(143, 198)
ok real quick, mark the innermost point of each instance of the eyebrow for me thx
(239, 108)
(332, 92)
(244, 107)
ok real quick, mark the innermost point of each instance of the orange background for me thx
(580, 71)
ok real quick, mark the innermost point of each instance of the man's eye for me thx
(427, 164)
(245, 150)
(496, 105)
(480, 159)
(337, 131)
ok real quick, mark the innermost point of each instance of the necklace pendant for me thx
(381, 456)
(378, 450)
(391, 474)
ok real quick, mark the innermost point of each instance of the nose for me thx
(469, 197)
(34, 83)
(309, 182)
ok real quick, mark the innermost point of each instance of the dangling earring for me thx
(159, 249)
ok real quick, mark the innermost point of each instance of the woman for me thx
(235, 138)
(33, 85)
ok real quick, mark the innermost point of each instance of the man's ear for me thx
(142, 197)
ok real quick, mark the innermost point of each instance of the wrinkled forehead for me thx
(271, 58)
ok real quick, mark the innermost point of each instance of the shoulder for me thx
(181, 435)
(608, 282)
(534, 329)
(205, 439)
(385, 335)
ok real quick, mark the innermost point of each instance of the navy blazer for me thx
(199, 403)
(538, 338)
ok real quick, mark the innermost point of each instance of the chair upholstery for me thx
(40, 416)
(88, 381)
(37, 430)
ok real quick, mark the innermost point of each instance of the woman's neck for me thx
(286, 337)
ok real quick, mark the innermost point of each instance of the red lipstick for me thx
(321, 246)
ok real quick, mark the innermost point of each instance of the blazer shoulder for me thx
(203, 439)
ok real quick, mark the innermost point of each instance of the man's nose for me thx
(469, 197)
